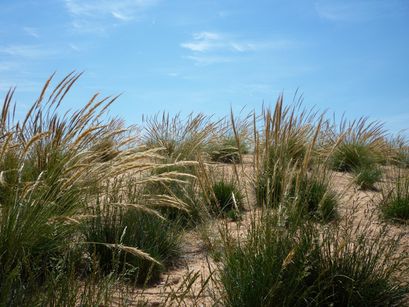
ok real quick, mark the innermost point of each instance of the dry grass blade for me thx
(128, 249)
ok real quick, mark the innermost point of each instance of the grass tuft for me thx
(395, 199)
(366, 177)
(157, 238)
(296, 266)
(227, 198)
(227, 151)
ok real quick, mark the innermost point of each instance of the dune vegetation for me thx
(282, 207)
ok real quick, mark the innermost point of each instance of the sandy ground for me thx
(195, 265)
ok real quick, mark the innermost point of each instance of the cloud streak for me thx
(27, 51)
(211, 41)
(31, 32)
(214, 47)
(94, 15)
(359, 10)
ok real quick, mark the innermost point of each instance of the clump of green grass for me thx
(401, 158)
(366, 177)
(315, 198)
(395, 200)
(299, 266)
(232, 141)
(63, 287)
(182, 139)
(284, 155)
(46, 173)
(228, 198)
(227, 150)
(128, 235)
(400, 151)
(138, 231)
(284, 148)
(359, 144)
(52, 166)
(351, 156)
(187, 188)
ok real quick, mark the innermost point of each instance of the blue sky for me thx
(205, 55)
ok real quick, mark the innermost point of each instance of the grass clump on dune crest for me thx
(182, 139)
(400, 151)
(232, 141)
(351, 156)
(362, 145)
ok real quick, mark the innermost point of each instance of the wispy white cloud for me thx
(121, 16)
(210, 41)
(207, 36)
(94, 15)
(31, 32)
(74, 47)
(27, 51)
(8, 66)
(213, 41)
(358, 10)
(204, 41)
(204, 60)
(22, 85)
(214, 47)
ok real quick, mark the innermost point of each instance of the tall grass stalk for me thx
(286, 149)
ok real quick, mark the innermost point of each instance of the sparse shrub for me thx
(298, 266)
(395, 200)
(228, 198)
(367, 176)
